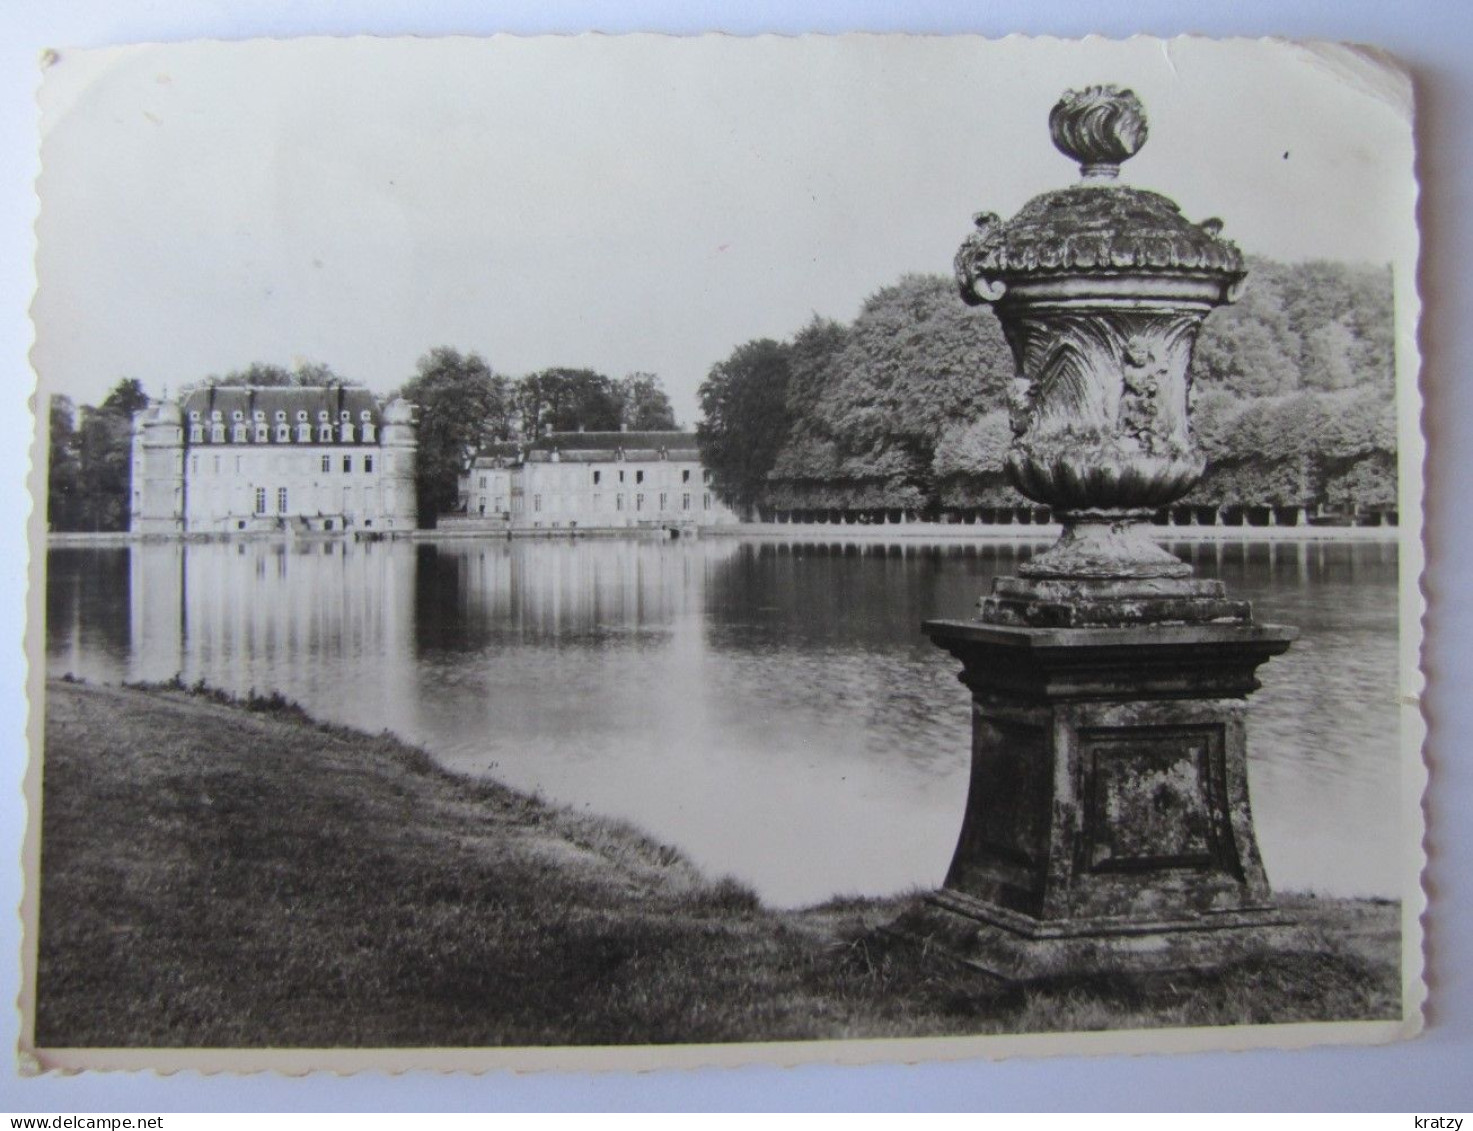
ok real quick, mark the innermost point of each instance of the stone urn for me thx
(1108, 824)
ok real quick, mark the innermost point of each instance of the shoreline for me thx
(1021, 533)
(231, 873)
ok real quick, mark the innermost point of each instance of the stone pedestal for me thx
(1108, 823)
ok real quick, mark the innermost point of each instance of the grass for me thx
(228, 873)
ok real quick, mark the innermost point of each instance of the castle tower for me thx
(398, 446)
(156, 502)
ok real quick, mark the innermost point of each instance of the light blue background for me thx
(1428, 1075)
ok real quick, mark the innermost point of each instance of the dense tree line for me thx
(464, 406)
(904, 408)
(89, 452)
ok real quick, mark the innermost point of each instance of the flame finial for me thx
(1100, 127)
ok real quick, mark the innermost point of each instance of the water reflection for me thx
(770, 706)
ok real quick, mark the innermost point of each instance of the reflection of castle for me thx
(250, 459)
(567, 480)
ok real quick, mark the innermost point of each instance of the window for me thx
(483, 482)
(705, 477)
(347, 433)
(639, 477)
(663, 500)
(196, 433)
(685, 476)
(324, 433)
(281, 500)
(304, 433)
(367, 463)
(639, 502)
(283, 434)
(685, 502)
(621, 476)
(327, 463)
(501, 502)
(347, 464)
(598, 502)
(619, 503)
(597, 475)
(217, 433)
(536, 502)
(368, 433)
(262, 433)
(237, 465)
(217, 465)
(238, 434)
(260, 500)
(706, 502)
(194, 465)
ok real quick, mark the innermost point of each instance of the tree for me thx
(104, 451)
(126, 398)
(565, 400)
(463, 407)
(63, 481)
(268, 375)
(744, 405)
(643, 405)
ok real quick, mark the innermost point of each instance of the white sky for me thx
(625, 204)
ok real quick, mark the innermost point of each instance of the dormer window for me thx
(196, 433)
(347, 430)
(238, 433)
(324, 432)
(217, 433)
(283, 433)
(263, 432)
(259, 415)
(368, 432)
(304, 432)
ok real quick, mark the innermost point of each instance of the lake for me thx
(769, 706)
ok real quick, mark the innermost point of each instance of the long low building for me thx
(590, 480)
(250, 459)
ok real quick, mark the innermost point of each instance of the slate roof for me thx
(332, 399)
(609, 441)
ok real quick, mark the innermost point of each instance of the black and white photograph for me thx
(633, 551)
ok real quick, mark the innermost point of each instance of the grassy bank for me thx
(226, 874)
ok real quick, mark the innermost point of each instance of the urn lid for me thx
(1099, 226)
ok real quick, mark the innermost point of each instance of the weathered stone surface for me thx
(1107, 823)
(964, 931)
(1101, 290)
(1109, 790)
(1110, 602)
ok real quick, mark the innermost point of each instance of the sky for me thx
(624, 203)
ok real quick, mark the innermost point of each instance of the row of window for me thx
(638, 477)
(619, 502)
(326, 464)
(262, 497)
(261, 433)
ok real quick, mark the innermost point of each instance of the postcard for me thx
(625, 552)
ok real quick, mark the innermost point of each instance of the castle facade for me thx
(253, 459)
(590, 480)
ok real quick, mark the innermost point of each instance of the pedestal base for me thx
(1108, 824)
(971, 933)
